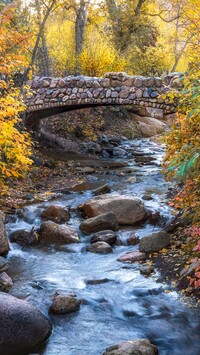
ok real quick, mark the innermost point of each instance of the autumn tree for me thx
(183, 142)
(182, 159)
(181, 18)
(15, 146)
(130, 25)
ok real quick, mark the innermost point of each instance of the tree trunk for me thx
(179, 54)
(81, 20)
(42, 52)
(138, 7)
(39, 36)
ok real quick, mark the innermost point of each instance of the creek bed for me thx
(128, 305)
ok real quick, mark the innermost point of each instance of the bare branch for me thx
(138, 7)
(162, 18)
(40, 33)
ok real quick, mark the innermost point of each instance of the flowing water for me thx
(128, 305)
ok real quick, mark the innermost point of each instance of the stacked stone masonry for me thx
(111, 89)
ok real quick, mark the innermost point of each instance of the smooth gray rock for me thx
(132, 347)
(154, 242)
(22, 326)
(102, 222)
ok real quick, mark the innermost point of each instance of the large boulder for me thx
(152, 112)
(22, 326)
(50, 232)
(154, 242)
(149, 126)
(128, 210)
(102, 222)
(4, 246)
(132, 347)
(56, 214)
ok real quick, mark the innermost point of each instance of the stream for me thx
(128, 305)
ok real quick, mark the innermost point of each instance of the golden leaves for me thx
(182, 160)
(15, 146)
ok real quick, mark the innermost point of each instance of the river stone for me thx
(97, 281)
(147, 197)
(154, 217)
(128, 210)
(102, 222)
(100, 248)
(63, 304)
(56, 214)
(86, 170)
(107, 236)
(23, 237)
(3, 264)
(132, 256)
(148, 126)
(154, 242)
(146, 270)
(146, 130)
(133, 240)
(132, 347)
(104, 189)
(4, 246)
(22, 326)
(5, 282)
(50, 232)
(119, 151)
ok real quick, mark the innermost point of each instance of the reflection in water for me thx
(128, 305)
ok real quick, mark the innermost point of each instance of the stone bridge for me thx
(49, 96)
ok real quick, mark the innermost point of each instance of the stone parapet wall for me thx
(111, 89)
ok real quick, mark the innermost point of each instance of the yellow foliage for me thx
(15, 146)
(98, 56)
(61, 46)
(151, 62)
(182, 159)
